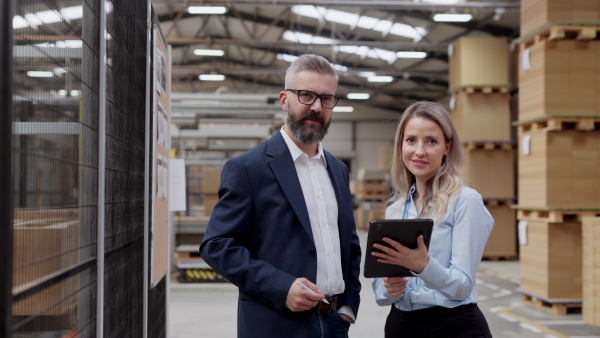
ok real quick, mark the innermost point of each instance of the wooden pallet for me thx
(379, 197)
(188, 252)
(488, 145)
(498, 202)
(484, 89)
(512, 257)
(561, 30)
(555, 215)
(556, 123)
(562, 307)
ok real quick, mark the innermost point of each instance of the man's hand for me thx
(299, 299)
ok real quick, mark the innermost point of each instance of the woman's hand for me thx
(413, 259)
(395, 286)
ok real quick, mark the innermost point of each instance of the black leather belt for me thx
(323, 308)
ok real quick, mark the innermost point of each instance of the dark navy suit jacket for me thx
(259, 237)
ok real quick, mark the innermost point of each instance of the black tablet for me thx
(405, 232)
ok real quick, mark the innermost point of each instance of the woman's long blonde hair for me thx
(447, 182)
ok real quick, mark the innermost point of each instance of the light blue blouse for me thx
(455, 251)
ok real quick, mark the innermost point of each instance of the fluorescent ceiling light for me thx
(452, 17)
(342, 109)
(209, 52)
(411, 55)
(211, 77)
(358, 96)
(39, 73)
(380, 79)
(365, 22)
(207, 10)
(367, 74)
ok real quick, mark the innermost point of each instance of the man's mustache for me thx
(314, 116)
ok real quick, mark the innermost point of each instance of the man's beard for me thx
(307, 133)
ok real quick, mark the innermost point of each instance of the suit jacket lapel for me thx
(283, 168)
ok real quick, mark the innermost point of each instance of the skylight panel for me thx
(365, 22)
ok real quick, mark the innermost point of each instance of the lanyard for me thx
(408, 196)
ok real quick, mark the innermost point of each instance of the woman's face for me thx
(423, 147)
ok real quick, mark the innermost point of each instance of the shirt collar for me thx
(297, 152)
(411, 192)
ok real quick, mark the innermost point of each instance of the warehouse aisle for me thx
(210, 310)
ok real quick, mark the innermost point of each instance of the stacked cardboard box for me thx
(481, 111)
(559, 141)
(384, 158)
(537, 13)
(211, 179)
(194, 186)
(591, 270)
(371, 189)
(551, 260)
(46, 242)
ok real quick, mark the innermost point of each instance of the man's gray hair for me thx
(310, 63)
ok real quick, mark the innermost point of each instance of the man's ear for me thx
(283, 100)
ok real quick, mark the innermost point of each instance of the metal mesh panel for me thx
(125, 160)
(55, 167)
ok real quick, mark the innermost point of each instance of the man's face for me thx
(308, 123)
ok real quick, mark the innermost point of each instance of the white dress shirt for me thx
(323, 214)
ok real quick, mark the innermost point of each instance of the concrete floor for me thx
(210, 310)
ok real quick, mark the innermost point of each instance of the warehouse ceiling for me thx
(259, 38)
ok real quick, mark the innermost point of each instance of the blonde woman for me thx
(440, 300)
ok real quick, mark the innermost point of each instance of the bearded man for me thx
(283, 230)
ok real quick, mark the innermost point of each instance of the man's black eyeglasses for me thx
(307, 97)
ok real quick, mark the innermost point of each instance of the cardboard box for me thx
(490, 172)
(372, 187)
(535, 13)
(559, 77)
(45, 242)
(368, 211)
(503, 239)
(211, 180)
(559, 168)
(478, 61)
(591, 270)
(480, 116)
(370, 174)
(551, 261)
(209, 201)
(384, 160)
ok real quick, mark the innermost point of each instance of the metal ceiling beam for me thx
(249, 70)
(378, 4)
(390, 45)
